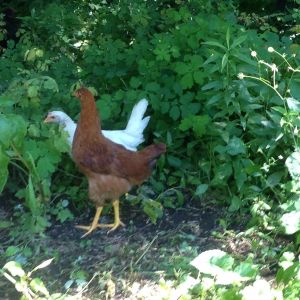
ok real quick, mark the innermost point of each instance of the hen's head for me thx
(83, 94)
(56, 117)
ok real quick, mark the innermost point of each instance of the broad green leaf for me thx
(174, 161)
(174, 112)
(5, 224)
(12, 130)
(247, 269)
(65, 214)
(197, 123)
(14, 268)
(274, 179)
(228, 37)
(31, 200)
(216, 85)
(4, 160)
(152, 87)
(182, 68)
(198, 77)
(200, 125)
(38, 286)
(238, 41)
(187, 81)
(222, 173)
(279, 109)
(186, 123)
(135, 82)
(213, 43)
(50, 84)
(240, 174)
(225, 262)
(235, 204)
(33, 91)
(189, 109)
(201, 189)
(12, 250)
(165, 107)
(196, 61)
(224, 61)
(6, 102)
(153, 209)
(236, 146)
(104, 108)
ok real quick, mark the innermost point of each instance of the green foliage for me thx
(30, 288)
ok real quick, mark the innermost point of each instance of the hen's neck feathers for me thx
(89, 119)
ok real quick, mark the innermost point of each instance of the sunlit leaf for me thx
(14, 268)
(293, 104)
(293, 164)
(218, 264)
(38, 286)
(291, 222)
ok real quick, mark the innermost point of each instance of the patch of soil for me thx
(129, 259)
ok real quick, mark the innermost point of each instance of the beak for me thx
(48, 119)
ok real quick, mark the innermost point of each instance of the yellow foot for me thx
(94, 224)
(115, 226)
(89, 229)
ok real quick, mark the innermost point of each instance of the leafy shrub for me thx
(223, 134)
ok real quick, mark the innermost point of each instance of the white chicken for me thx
(130, 137)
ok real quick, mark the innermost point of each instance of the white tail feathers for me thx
(137, 123)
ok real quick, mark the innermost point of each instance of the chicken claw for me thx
(95, 224)
(117, 221)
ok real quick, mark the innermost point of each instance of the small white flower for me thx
(294, 55)
(253, 53)
(276, 86)
(271, 49)
(241, 76)
(280, 157)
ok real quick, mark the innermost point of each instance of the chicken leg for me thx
(94, 225)
(117, 221)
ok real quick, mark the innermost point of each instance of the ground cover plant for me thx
(223, 89)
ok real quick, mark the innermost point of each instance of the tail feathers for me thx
(137, 123)
(153, 152)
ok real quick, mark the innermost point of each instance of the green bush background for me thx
(227, 138)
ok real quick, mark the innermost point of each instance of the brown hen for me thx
(111, 169)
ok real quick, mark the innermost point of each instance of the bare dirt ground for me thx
(127, 263)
